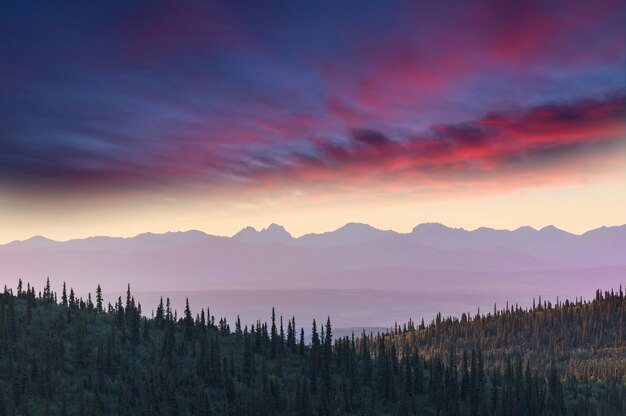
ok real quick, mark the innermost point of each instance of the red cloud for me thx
(526, 142)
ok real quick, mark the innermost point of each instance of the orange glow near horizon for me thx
(575, 208)
(210, 118)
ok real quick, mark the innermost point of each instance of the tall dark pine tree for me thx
(314, 358)
(188, 322)
(99, 299)
(64, 296)
(273, 337)
(47, 292)
(326, 370)
(301, 346)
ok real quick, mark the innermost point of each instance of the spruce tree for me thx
(273, 337)
(188, 322)
(99, 299)
(64, 296)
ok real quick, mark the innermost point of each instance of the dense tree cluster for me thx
(77, 357)
(586, 340)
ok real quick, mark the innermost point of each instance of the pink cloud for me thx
(528, 142)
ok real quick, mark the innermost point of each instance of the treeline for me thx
(64, 355)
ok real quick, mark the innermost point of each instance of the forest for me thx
(65, 355)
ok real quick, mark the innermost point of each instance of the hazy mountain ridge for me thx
(356, 232)
(273, 257)
(554, 247)
(431, 268)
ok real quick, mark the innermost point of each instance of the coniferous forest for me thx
(64, 355)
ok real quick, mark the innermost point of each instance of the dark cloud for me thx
(529, 139)
(462, 133)
(370, 137)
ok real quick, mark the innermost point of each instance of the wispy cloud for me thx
(117, 95)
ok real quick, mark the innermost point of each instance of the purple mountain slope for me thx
(273, 233)
(145, 241)
(273, 257)
(432, 262)
(601, 247)
(348, 234)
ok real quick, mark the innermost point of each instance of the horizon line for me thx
(310, 233)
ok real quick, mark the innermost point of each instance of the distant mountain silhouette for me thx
(547, 247)
(145, 241)
(432, 267)
(273, 233)
(601, 247)
(350, 233)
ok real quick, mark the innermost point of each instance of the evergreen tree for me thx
(188, 322)
(273, 337)
(64, 296)
(99, 299)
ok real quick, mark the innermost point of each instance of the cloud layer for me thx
(357, 94)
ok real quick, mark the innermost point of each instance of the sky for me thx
(122, 117)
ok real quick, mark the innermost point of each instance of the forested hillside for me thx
(61, 355)
(586, 340)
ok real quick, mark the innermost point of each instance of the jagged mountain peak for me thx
(272, 233)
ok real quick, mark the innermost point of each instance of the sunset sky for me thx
(122, 117)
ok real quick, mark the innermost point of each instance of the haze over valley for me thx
(357, 274)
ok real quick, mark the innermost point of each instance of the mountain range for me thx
(433, 267)
(546, 247)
